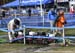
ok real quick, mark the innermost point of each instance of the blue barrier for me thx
(6, 30)
(66, 37)
(42, 27)
(36, 27)
(17, 39)
(45, 37)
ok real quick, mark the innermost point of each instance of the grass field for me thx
(10, 47)
(67, 31)
(21, 48)
(3, 33)
(15, 47)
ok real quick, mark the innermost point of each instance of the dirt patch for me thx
(39, 50)
(43, 49)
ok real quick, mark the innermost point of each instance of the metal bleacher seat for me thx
(38, 20)
(70, 19)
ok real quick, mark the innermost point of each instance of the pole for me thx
(42, 14)
(55, 2)
(15, 14)
(35, 3)
(19, 5)
(24, 34)
(63, 35)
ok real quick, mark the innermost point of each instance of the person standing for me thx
(29, 12)
(3, 13)
(51, 17)
(72, 9)
(61, 21)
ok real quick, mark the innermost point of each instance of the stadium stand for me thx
(38, 20)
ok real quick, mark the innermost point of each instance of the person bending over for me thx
(12, 25)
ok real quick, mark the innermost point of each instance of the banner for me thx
(62, 0)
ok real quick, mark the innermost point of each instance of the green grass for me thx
(69, 48)
(14, 47)
(67, 31)
(3, 33)
(10, 47)
(70, 31)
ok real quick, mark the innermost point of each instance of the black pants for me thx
(29, 14)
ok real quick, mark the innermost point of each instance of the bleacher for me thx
(38, 20)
